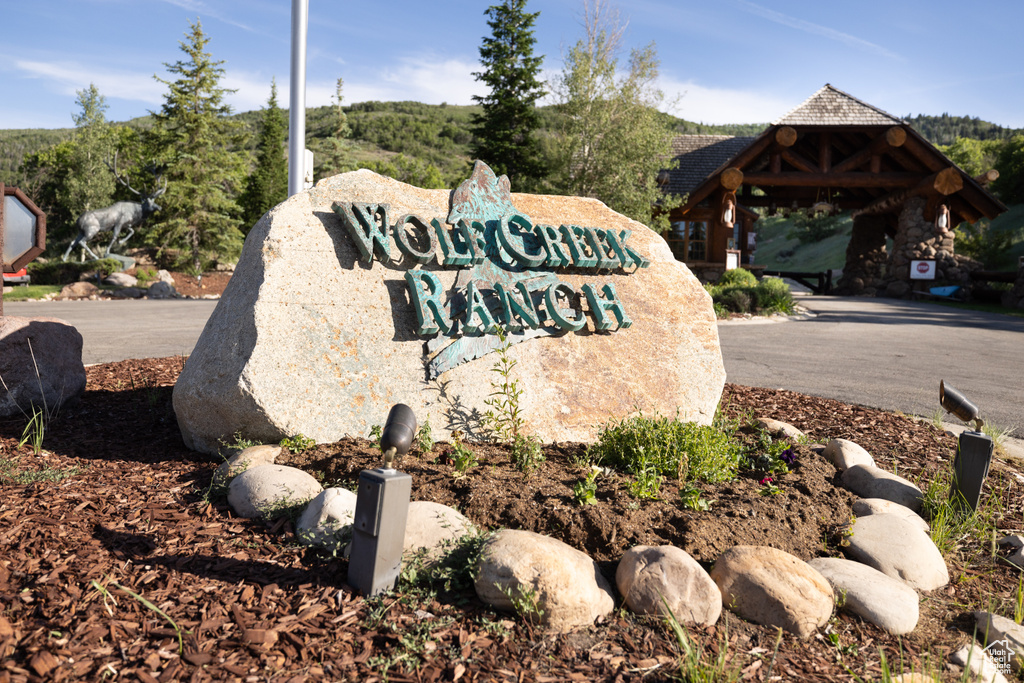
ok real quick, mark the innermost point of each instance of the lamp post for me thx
(297, 99)
(974, 448)
(382, 508)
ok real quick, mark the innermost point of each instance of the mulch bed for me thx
(112, 549)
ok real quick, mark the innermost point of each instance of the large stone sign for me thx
(364, 292)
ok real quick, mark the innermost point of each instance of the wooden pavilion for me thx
(833, 152)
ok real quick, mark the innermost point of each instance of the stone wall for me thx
(1015, 297)
(919, 239)
(865, 258)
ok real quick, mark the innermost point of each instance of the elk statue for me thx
(117, 217)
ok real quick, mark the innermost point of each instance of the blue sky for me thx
(722, 61)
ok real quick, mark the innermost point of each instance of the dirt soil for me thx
(112, 546)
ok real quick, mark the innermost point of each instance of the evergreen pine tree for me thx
(204, 167)
(268, 182)
(505, 131)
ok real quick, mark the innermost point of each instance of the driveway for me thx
(885, 354)
(114, 330)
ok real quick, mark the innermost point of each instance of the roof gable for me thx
(699, 156)
(833, 107)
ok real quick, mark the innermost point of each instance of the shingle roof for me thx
(832, 107)
(699, 156)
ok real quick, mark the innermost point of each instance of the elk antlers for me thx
(124, 181)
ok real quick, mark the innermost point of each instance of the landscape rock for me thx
(79, 290)
(992, 628)
(897, 548)
(874, 482)
(649, 577)
(120, 280)
(243, 460)
(281, 354)
(771, 587)
(983, 667)
(433, 528)
(164, 276)
(264, 490)
(887, 603)
(127, 293)
(327, 519)
(862, 507)
(778, 428)
(51, 345)
(161, 290)
(844, 454)
(566, 584)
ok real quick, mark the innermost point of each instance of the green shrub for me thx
(773, 296)
(738, 300)
(737, 276)
(65, 272)
(685, 450)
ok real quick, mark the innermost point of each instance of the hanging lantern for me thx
(942, 220)
(728, 212)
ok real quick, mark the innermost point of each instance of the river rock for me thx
(771, 587)
(778, 428)
(862, 507)
(78, 290)
(874, 482)
(262, 491)
(312, 337)
(984, 669)
(649, 577)
(897, 548)
(433, 528)
(888, 603)
(565, 583)
(120, 280)
(54, 348)
(844, 454)
(161, 290)
(992, 628)
(252, 456)
(327, 518)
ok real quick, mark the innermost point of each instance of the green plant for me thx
(737, 276)
(1018, 601)
(102, 590)
(684, 450)
(376, 432)
(584, 492)
(693, 668)
(526, 453)
(34, 431)
(57, 272)
(297, 444)
(504, 417)
(646, 482)
(773, 296)
(144, 276)
(525, 602)
(463, 457)
(237, 442)
(425, 437)
(952, 522)
(691, 498)
(769, 488)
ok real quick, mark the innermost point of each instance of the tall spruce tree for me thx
(612, 140)
(505, 131)
(205, 162)
(268, 182)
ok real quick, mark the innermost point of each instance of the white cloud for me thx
(702, 104)
(420, 80)
(69, 77)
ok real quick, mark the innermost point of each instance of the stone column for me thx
(865, 257)
(1015, 297)
(919, 239)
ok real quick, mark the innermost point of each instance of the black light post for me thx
(974, 448)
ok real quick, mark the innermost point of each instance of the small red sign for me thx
(922, 267)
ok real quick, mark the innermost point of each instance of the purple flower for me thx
(788, 456)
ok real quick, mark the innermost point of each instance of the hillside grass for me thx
(779, 252)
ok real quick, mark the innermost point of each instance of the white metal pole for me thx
(297, 111)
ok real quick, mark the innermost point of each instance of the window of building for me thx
(688, 240)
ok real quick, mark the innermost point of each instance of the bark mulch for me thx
(118, 561)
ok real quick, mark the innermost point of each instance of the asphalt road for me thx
(886, 354)
(115, 330)
(881, 353)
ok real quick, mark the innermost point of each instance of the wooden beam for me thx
(987, 177)
(799, 161)
(890, 139)
(731, 178)
(941, 183)
(852, 179)
(825, 152)
(786, 136)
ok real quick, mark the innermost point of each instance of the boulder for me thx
(862, 507)
(161, 290)
(771, 587)
(564, 584)
(120, 280)
(127, 293)
(897, 548)
(265, 490)
(777, 428)
(78, 290)
(321, 334)
(433, 528)
(845, 454)
(983, 668)
(243, 460)
(888, 603)
(164, 276)
(649, 577)
(873, 482)
(54, 348)
(327, 519)
(1003, 633)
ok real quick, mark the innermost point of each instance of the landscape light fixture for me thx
(974, 449)
(382, 508)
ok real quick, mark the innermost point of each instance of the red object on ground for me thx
(17, 278)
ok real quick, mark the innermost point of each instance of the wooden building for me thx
(833, 152)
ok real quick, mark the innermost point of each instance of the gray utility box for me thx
(973, 457)
(378, 530)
